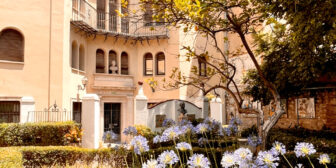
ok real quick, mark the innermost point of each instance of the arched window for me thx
(160, 64)
(202, 68)
(113, 62)
(148, 64)
(124, 63)
(100, 66)
(81, 58)
(11, 45)
(74, 55)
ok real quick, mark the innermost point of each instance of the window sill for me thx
(12, 62)
(77, 71)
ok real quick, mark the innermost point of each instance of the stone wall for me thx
(325, 112)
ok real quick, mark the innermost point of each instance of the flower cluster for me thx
(267, 159)
(202, 128)
(303, 149)
(278, 148)
(168, 123)
(198, 161)
(152, 164)
(171, 133)
(183, 146)
(109, 136)
(139, 144)
(168, 158)
(254, 140)
(130, 131)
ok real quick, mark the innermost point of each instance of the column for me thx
(216, 108)
(27, 109)
(141, 110)
(91, 121)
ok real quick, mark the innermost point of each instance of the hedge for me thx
(37, 134)
(324, 141)
(59, 155)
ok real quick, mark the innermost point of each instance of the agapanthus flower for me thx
(139, 144)
(152, 164)
(254, 140)
(202, 141)
(109, 136)
(198, 161)
(171, 133)
(324, 159)
(235, 121)
(267, 159)
(168, 123)
(303, 149)
(202, 128)
(228, 160)
(243, 156)
(157, 139)
(278, 148)
(299, 166)
(184, 122)
(130, 131)
(188, 128)
(183, 146)
(168, 157)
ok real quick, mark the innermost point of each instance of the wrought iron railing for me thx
(84, 12)
(53, 114)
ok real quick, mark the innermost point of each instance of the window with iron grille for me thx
(9, 111)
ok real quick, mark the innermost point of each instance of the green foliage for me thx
(324, 141)
(249, 131)
(58, 156)
(299, 50)
(37, 134)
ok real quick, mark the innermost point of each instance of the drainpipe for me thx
(49, 70)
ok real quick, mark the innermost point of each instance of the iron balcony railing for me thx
(88, 17)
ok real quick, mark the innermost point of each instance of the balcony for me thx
(112, 81)
(88, 19)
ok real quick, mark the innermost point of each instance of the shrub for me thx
(323, 140)
(249, 131)
(31, 156)
(37, 134)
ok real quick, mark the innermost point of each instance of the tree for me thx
(297, 53)
(240, 17)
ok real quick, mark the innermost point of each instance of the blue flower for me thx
(184, 122)
(228, 160)
(202, 141)
(152, 164)
(109, 136)
(130, 131)
(183, 146)
(266, 159)
(202, 128)
(168, 157)
(171, 133)
(254, 140)
(198, 161)
(324, 159)
(278, 148)
(235, 121)
(156, 139)
(188, 128)
(243, 156)
(139, 144)
(168, 123)
(303, 149)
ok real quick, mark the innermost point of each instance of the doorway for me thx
(112, 118)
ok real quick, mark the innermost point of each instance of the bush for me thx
(324, 141)
(37, 134)
(249, 131)
(59, 155)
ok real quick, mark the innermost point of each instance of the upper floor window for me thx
(124, 63)
(148, 64)
(9, 111)
(202, 68)
(11, 45)
(125, 20)
(113, 15)
(160, 64)
(81, 58)
(148, 16)
(100, 63)
(74, 55)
